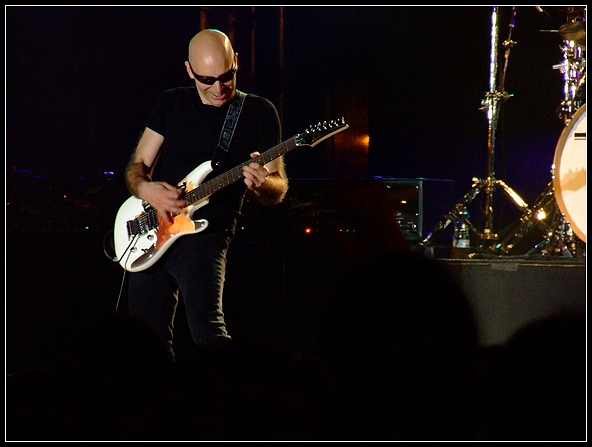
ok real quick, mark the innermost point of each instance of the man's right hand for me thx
(166, 199)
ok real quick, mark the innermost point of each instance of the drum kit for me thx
(569, 163)
(559, 213)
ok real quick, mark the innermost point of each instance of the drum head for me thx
(569, 179)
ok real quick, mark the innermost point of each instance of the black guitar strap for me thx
(228, 129)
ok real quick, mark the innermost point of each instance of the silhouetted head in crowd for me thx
(401, 338)
(536, 382)
(398, 330)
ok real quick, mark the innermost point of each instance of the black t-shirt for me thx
(191, 133)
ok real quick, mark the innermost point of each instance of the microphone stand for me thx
(491, 104)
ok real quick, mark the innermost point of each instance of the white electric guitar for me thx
(141, 237)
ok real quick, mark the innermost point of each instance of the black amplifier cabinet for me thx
(418, 203)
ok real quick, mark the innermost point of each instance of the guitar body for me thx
(141, 237)
(143, 250)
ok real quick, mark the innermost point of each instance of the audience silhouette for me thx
(535, 384)
(398, 334)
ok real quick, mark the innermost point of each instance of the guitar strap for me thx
(228, 129)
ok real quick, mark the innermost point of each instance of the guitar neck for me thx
(232, 175)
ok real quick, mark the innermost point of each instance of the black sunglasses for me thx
(210, 80)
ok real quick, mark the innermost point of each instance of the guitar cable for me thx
(114, 259)
(111, 244)
(120, 291)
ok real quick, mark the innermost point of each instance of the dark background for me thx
(80, 81)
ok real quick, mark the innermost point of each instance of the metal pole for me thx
(492, 107)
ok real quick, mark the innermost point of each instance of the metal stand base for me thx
(484, 237)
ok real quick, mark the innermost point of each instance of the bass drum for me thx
(569, 172)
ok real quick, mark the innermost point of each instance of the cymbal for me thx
(575, 31)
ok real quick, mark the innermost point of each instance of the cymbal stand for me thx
(573, 69)
(488, 185)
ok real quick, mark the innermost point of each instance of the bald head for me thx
(211, 53)
(212, 64)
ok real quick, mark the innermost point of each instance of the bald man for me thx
(180, 149)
